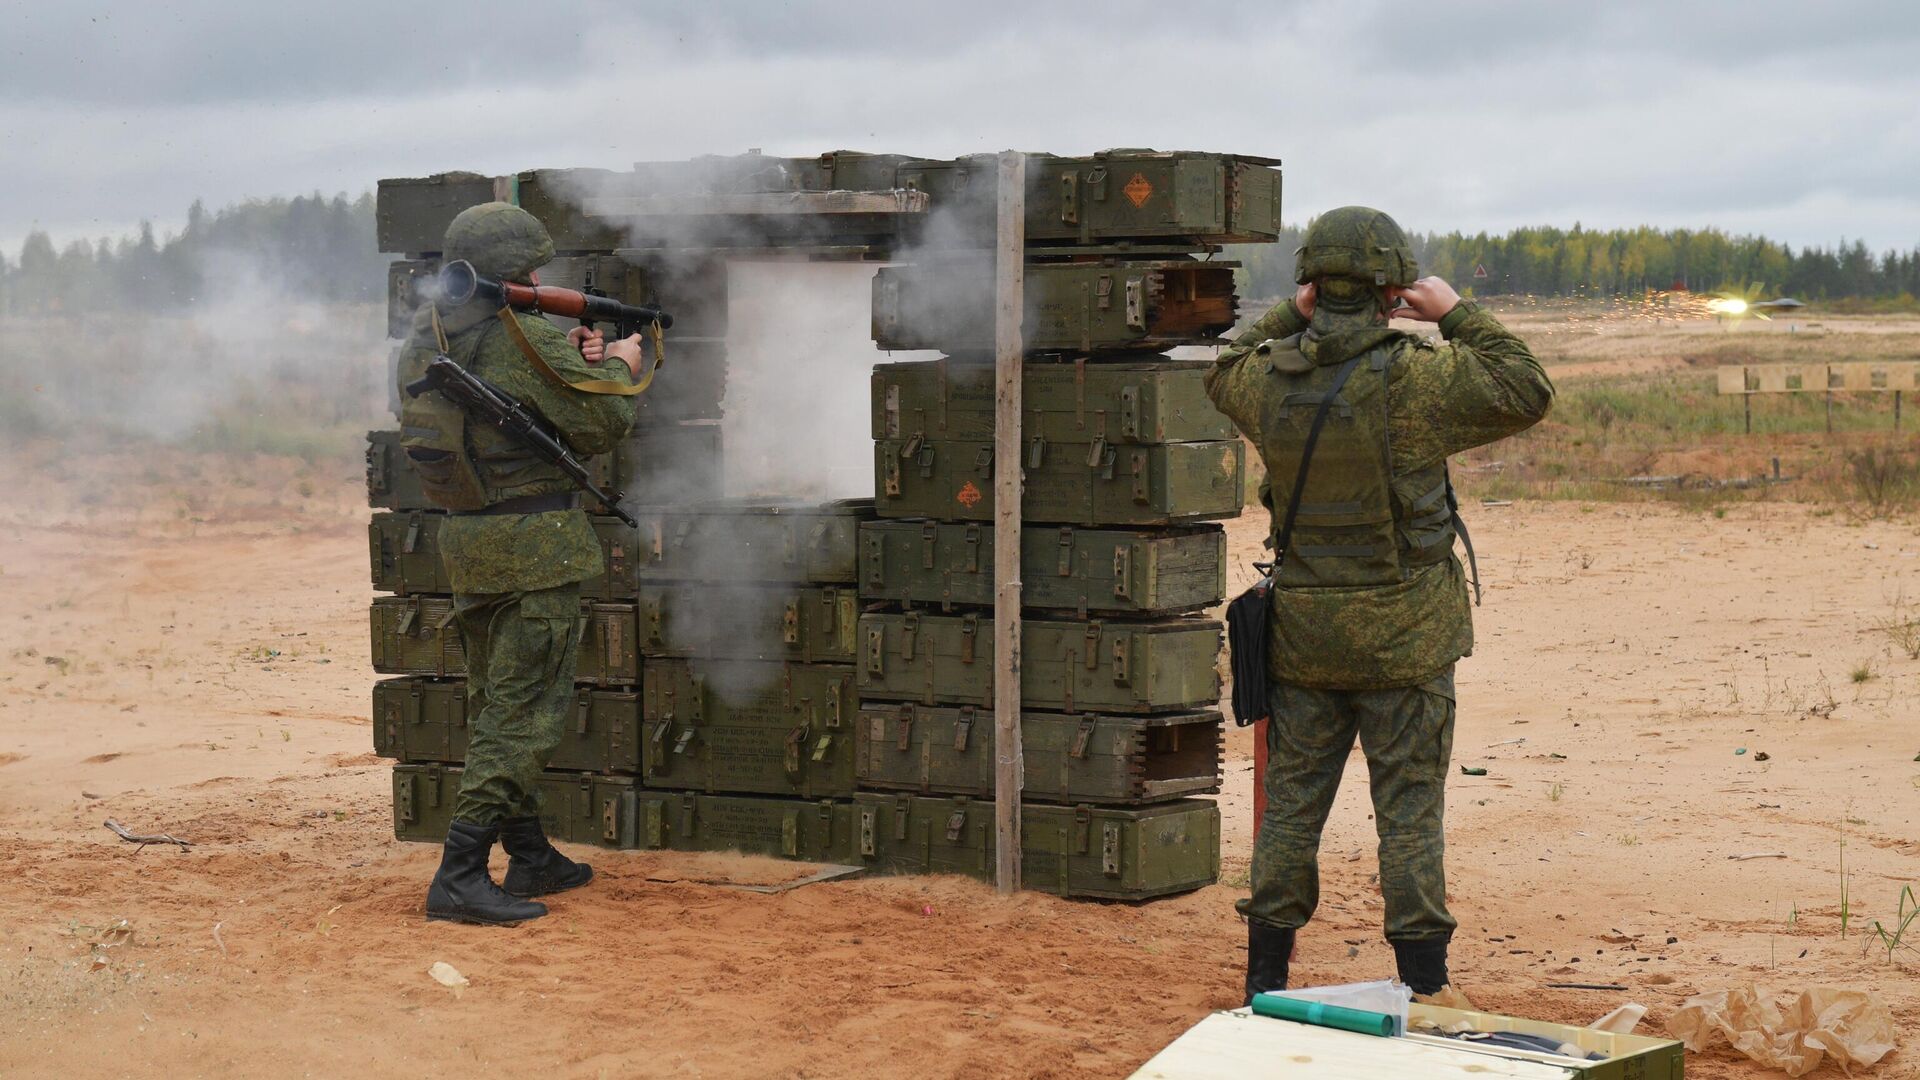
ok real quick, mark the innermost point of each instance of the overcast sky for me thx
(1799, 120)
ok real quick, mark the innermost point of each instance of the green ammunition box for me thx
(1152, 401)
(405, 278)
(391, 482)
(405, 551)
(576, 808)
(749, 621)
(946, 303)
(416, 635)
(1120, 854)
(425, 720)
(665, 464)
(812, 831)
(1069, 759)
(1182, 197)
(411, 214)
(743, 540)
(907, 834)
(749, 726)
(1123, 667)
(1112, 853)
(1087, 571)
(1066, 483)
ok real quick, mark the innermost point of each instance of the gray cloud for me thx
(1760, 116)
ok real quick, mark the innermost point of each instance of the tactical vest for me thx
(433, 430)
(1357, 525)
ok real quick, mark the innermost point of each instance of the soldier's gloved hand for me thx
(627, 351)
(591, 343)
(1428, 300)
(1304, 298)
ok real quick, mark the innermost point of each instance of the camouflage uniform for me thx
(516, 577)
(1368, 654)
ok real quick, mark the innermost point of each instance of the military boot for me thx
(534, 868)
(1422, 963)
(1269, 948)
(462, 891)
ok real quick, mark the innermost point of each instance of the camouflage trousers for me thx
(1407, 735)
(522, 650)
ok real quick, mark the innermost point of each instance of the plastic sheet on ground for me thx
(1852, 1027)
(1385, 996)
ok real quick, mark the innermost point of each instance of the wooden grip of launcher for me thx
(547, 298)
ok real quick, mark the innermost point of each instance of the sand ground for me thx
(184, 650)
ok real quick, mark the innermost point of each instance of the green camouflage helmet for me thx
(499, 239)
(1356, 242)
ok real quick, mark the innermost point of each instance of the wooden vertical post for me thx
(1748, 399)
(1829, 412)
(1009, 285)
(1896, 410)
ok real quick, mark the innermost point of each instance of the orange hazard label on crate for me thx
(1138, 190)
(968, 496)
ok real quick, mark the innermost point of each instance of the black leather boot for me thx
(462, 891)
(1268, 950)
(1422, 963)
(534, 868)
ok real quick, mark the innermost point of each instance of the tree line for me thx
(324, 248)
(1550, 261)
(309, 245)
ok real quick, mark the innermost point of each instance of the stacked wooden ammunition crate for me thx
(1123, 458)
(815, 682)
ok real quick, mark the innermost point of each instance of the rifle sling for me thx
(585, 386)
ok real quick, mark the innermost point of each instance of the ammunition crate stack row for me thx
(718, 709)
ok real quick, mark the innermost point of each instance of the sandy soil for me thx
(190, 658)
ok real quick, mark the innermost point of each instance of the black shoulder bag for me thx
(1247, 615)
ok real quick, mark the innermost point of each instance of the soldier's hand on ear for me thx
(1304, 297)
(627, 351)
(591, 343)
(1428, 300)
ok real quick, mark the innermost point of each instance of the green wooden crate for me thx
(1068, 759)
(752, 540)
(1129, 572)
(1066, 483)
(750, 727)
(425, 720)
(1093, 666)
(808, 830)
(749, 621)
(578, 808)
(1145, 401)
(1120, 853)
(946, 303)
(416, 635)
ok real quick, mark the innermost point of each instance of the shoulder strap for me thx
(1306, 458)
(585, 386)
(1460, 527)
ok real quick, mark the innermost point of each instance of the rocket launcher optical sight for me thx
(458, 283)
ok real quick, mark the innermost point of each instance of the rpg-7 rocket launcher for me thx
(459, 282)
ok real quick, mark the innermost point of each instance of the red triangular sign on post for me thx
(1480, 271)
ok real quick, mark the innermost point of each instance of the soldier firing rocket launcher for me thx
(486, 402)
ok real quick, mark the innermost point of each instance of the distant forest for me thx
(323, 248)
(1577, 262)
(311, 246)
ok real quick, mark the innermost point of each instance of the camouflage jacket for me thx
(493, 553)
(1483, 384)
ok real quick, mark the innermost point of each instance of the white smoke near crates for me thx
(800, 355)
